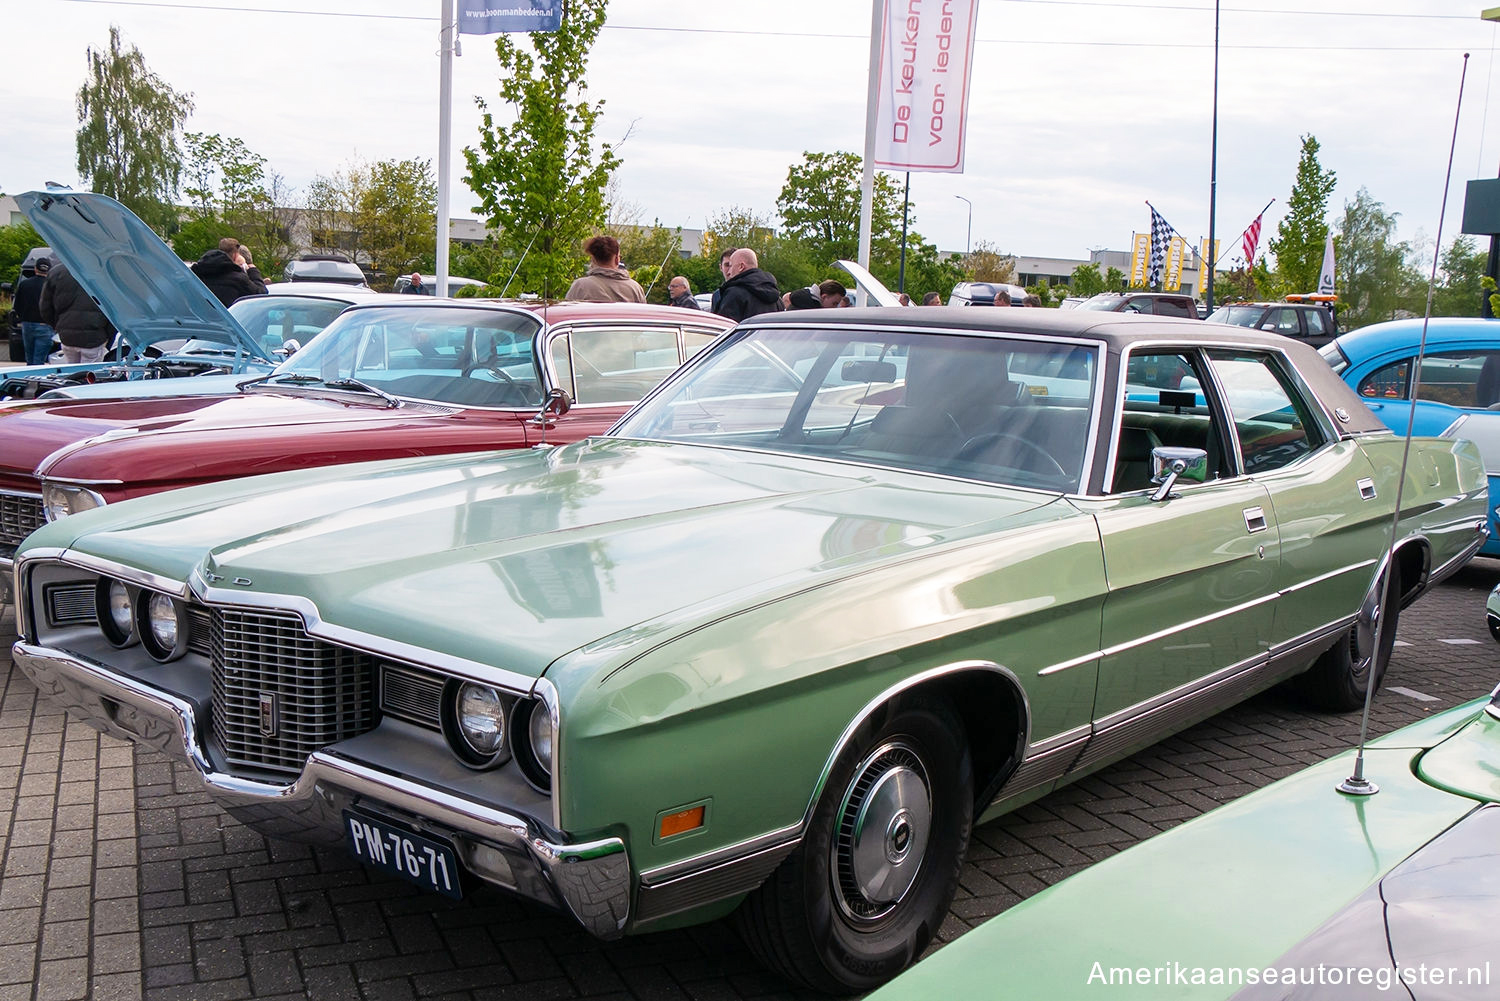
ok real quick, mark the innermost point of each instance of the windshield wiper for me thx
(390, 401)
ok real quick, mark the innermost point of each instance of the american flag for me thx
(1251, 240)
(1161, 235)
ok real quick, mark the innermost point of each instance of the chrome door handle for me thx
(1366, 488)
(1255, 519)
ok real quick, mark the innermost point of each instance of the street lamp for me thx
(969, 233)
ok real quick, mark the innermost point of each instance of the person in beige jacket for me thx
(605, 281)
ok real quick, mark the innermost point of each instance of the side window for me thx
(1316, 325)
(1137, 306)
(1390, 382)
(1271, 420)
(562, 364)
(1461, 379)
(1164, 405)
(1173, 307)
(1282, 321)
(621, 366)
(694, 341)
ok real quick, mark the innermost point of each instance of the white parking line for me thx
(1460, 642)
(1402, 643)
(1413, 695)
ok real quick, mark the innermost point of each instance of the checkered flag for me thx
(1161, 235)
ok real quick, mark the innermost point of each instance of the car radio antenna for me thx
(1356, 784)
(520, 262)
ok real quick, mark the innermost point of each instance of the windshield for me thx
(272, 320)
(442, 354)
(1240, 316)
(1005, 410)
(1102, 302)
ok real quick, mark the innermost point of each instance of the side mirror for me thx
(1169, 464)
(557, 403)
(289, 347)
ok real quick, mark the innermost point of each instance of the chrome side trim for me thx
(1039, 768)
(1455, 564)
(1064, 665)
(1183, 626)
(588, 879)
(1123, 716)
(720, 856)
(1057, 740)
(1311, 581)
(94, 564)
(715, 882)
(1291, 652)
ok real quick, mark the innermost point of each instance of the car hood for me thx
(137, 441)
(139, 282)
(513, 560)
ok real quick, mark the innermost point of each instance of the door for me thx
(1192, 577)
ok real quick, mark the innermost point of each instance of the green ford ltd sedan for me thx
(846, 584)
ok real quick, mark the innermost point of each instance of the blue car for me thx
(170, 324)
(1457, 392)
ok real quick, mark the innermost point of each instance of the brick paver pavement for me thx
(120, 881)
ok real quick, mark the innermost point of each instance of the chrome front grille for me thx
(414, 696)
(20, 515)
(279, 694)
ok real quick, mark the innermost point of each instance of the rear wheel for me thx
(1337, 680)
(866, 890)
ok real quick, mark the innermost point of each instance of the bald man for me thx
(749, 290)
(680, 294)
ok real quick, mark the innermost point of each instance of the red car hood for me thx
(136, 443)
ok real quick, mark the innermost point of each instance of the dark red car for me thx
(390, 379)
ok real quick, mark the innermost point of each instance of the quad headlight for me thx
(533, 752)
(62, 499)
(162, 623)
(114, 608)
(474, 721)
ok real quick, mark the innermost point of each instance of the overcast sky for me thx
(1080, 111)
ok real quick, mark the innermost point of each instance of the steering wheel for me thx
(981, 443)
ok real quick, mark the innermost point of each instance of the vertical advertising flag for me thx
(1208, 255)
(1176, 250)
(1140, 256)
(926, 54)
(492, 17)
(1325, 274)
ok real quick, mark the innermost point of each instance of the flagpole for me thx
(446, 38)
(1231, 249)
(867, 183)
(1213, 163)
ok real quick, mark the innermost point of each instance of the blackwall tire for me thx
(871, 882)
(1337, 679)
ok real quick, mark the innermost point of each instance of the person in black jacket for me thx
(749, 290)
(225, 277)
(80, 324)
(35, 333)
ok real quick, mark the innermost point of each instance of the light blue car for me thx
(1457, 391)
(169, 323)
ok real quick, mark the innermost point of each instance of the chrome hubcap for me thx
(1367, 628)
(882, 835)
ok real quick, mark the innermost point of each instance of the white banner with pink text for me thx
(926, 55)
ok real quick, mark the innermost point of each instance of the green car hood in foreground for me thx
(1295, 877)
(514, 560)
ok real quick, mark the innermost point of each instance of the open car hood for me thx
(877, 293)
(139, 282)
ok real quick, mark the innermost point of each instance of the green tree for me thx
(1374, 280)
(1087, 280)
(129, 123)
(650, 253)
(820, 202)
(985, 263)
(397, 215)
(927, 270)
(332, 209)
(733, 228)
(1303, 232)
(16, 241)
(1114, 280)
(225, 178)
(1461, 268)
(541, 181)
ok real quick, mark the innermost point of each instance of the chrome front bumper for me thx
(589, 880)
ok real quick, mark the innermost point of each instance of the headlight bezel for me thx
(62, 500)
(535, 765)
(104, 612)
(150, 641)
(478, 758)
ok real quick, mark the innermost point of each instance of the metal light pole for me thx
(1213, 171)
(968, 233)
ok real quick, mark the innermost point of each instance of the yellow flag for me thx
(1140, 259)
(1175, 251)
(1208, 256)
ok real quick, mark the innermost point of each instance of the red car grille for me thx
(20, 515)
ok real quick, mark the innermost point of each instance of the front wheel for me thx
(1337, 680)
(865, 891)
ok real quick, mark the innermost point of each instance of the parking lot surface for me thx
(119, 881)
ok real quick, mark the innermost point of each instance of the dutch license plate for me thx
(425, 861)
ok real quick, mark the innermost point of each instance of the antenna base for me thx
(1355, 785)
